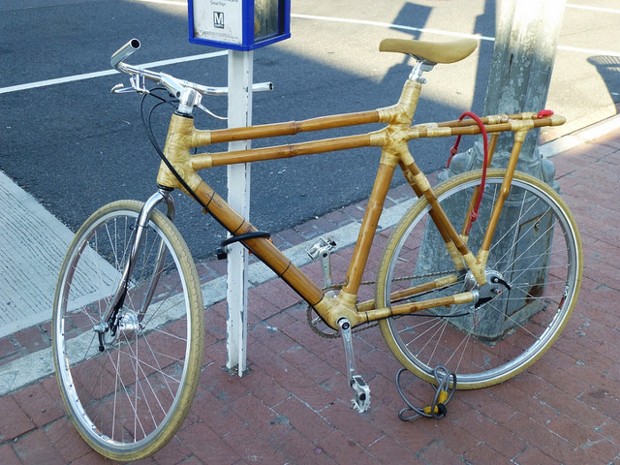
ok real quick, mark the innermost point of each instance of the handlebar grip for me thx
(123, 52)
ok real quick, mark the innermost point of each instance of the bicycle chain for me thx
(336, 334)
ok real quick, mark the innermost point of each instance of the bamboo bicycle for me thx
(480, 275)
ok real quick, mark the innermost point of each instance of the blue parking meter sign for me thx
(239, 24)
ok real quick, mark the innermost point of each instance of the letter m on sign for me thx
(218, 19)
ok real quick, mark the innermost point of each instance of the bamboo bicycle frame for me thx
(393, 139)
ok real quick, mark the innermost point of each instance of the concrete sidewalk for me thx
(294, 408)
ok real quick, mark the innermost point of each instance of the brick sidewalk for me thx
(293, 407)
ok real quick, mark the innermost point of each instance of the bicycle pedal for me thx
(361, 401)
(322, 248)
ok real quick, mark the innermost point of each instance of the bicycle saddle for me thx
(433, 52)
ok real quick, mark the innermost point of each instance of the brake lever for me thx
(121, 89)
(137, 85)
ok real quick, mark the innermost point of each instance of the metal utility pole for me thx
(527, 35)
(525, 44)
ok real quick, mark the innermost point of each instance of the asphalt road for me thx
(74, 146)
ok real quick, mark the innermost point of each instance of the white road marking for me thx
(109, 72)
(439, 32)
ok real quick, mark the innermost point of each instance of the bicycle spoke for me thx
(534, 251)
(123, 380)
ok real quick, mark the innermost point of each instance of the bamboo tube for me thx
(437, 213)
(261, 247)
(469, 127)
(413, 307)
(428, 286)
(294, 127)
(208, 160)
(503, 194)
(368, 229)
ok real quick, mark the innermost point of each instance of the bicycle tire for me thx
(128, 400)
(539, 255)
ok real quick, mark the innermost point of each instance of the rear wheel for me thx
(536, 251)
(128, 387)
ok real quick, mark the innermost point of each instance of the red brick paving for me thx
(293, 405)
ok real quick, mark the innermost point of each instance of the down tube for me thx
(262, 248)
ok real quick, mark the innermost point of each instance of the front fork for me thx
(111, 321)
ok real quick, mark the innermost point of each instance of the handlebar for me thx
(176, 87)
(117, 58)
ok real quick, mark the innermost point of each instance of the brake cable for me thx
(146, 121)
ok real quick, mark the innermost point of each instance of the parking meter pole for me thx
(240, 26)
(240, 78)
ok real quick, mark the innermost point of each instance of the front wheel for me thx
(127, 384)
(536, 252)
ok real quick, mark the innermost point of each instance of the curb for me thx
(581, 136)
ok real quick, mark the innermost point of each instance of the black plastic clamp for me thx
(221, 250)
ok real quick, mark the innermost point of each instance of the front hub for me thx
(125, 324)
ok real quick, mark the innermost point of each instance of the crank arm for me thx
(361, 390)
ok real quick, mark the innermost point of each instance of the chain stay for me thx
(329, 333)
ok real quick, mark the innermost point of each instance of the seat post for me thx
(420, 67)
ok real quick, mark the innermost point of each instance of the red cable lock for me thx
(454, 150)
(544, 114)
